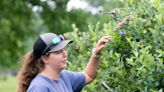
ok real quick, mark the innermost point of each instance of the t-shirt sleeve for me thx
(39, 89)
(77, 80)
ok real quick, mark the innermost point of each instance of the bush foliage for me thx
(133, 60)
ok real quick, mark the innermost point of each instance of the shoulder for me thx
(68, 73)
(40, 80)
(75, 79)
(38, 88)
(72, 76)
(65, 72)
(39, 83)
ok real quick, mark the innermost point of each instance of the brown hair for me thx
(31, 66)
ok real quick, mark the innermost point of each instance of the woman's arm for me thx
(93, 64)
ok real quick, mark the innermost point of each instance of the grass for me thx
(8, 85)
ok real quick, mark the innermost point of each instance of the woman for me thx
(43, 68)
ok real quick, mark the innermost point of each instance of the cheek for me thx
(55, 61)
(55, 58)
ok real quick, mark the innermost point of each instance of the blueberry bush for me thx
(133, 60)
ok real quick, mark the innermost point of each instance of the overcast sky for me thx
(72, 4)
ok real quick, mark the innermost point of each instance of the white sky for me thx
(72, 4)
(82, 4)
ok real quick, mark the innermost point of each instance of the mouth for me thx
(65, 61)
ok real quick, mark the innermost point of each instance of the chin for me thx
(64, 67)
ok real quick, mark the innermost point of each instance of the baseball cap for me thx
(49, 42)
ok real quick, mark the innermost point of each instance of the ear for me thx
(45, 59)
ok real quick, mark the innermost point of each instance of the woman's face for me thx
(58, 59)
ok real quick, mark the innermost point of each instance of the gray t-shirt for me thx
(68, 82)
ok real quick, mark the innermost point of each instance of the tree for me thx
(15, 27)
(133, 59)
(19, 24)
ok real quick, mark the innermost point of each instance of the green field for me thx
(8, 85)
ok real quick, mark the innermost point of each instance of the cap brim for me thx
(60, 45)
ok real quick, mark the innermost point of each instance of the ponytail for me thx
(31, 66)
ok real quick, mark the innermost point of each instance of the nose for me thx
(65, 54)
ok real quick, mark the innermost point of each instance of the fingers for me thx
(106, 37)
(101, 43)
(101, 47)
(98, 49)
(104, 40)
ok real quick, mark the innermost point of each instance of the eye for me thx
(58, 52)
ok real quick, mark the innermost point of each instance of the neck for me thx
(50, 73)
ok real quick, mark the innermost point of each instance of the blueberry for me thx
(122, 33)
(156, 12)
